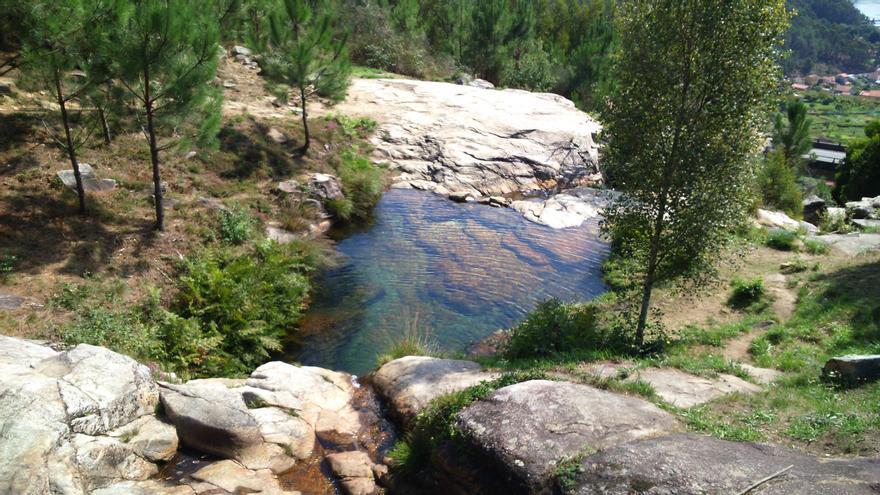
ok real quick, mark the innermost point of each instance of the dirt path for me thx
(784, 301)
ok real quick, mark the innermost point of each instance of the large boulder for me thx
(325, 186)
(58, 411)
(212, 418)
(508, 140)
(685, 464)
(866, 208)
(320, 397)
(230, 477)
(815, 209)
(527, 429)
(568, 209)
(411, 383)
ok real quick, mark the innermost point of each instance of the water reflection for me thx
(453, 272)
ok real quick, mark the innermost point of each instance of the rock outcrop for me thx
(569, 208)
(505, 141)
(90, 180)
(64, 426)
(410, 383)
(686, 464)
(527, 429)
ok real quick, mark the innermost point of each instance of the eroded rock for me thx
(354, 469)
(528, 428)
(411, 383)
(90, 180)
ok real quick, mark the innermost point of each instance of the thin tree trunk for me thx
(305, 120)
(105, 128)
(71, 150)
(154, 155)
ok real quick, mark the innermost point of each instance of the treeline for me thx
(830, 36)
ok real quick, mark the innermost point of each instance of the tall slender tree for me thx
(791, 133)
(167, 53)
(695, 82)
(303, 50)
(58, 37)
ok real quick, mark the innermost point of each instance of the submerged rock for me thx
(527, 429)
(685, 464)
(411, 383)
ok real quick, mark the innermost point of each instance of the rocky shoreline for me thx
(91, 421)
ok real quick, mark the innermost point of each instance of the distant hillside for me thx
(829, 36)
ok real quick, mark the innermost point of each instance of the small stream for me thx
(446, 273)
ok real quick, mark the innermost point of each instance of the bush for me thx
(782, 240)
(249, 301)
(340, 209)
(746, 293)
(815, 247)
(7, 265)
(555, 328)
(363, 183)
(235, 225)
(778, 187)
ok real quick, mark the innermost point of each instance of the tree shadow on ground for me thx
(42, 228)
(256, 154)
(857, 286)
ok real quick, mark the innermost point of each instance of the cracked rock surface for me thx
(58, 412)
(453, 138)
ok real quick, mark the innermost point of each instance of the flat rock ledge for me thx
(526, 430)
(674, 386)
(507, 140)
(686, 464)
(410, 383)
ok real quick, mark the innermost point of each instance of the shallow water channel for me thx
(446, 273)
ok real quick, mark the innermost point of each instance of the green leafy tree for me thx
(859, 176)
(791, 133)
(167, 53)
(56, 39)
(303, 50)
(778, 185)
(681, 131)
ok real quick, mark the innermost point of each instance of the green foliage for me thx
(303, 49)
(166, 53)
(235, 225)
(782, 240)
(791, 133)
(829, 36)
(681, 162)
(251, 300)
(815, 247)
(7, 266)
(859, 176)
(534, 70)
(778, 186)
(746, 293)
(362, 182)
(553, 328)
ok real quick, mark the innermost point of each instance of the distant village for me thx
(841, 84)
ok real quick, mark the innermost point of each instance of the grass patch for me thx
(782, 240)
(748, 295)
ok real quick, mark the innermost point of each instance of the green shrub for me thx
(746, 293)
(7, 265)
(782, 240)
(362, 181)
(340, 209)
(778, 186)
(236, 225)
(815, 247)
(249, 301)
(554, 328)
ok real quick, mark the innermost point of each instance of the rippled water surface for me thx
(448, 272)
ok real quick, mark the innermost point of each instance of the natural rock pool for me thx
(447, 273)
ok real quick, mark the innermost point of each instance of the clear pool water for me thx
(448, 273)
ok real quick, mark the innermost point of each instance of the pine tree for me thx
(791, 133)
(303, 50)
(695, 81)
(167, 53)
(57, 38)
